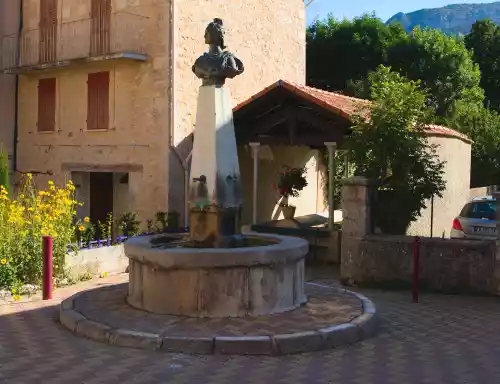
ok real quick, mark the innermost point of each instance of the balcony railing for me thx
(8, 51)
(83, 39)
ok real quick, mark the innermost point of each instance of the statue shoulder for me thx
(229, 56)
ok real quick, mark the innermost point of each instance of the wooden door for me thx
(101, 196)
(48, 31)
(100, 27)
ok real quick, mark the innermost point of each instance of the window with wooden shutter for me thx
(98, 101)
(46, 105)
(48, 31)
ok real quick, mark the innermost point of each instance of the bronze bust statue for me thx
(216, 65)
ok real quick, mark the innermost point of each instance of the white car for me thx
(477, 220)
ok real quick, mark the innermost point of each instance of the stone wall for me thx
(97, 261)
(9, 21)
(450, 266)
(456, 154)
(446, 265)
(138, 111)
(269, 53)
(139, 133)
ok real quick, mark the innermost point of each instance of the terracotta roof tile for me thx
(340, 104)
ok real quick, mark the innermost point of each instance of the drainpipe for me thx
(432, 216)
(16, 95)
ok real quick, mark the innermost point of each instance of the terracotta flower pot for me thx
(288, 211)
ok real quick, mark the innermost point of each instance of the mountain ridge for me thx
(452, 19)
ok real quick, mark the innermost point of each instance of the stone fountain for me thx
(215, 271)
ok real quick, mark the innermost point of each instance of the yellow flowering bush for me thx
(24, 219)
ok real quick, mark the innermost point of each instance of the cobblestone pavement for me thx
(445, 339)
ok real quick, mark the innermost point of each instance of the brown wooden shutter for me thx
(48, 31)
(98, 101)
(103, 116)
(47, 105)
(101, 24)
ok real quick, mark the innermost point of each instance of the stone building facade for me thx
(9, 27)
(106, 92)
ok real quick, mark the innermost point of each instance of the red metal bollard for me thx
(47, 267)
(416, 266)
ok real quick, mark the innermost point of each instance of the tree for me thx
(484, 42)
(482, 126)
(341, 54)
(342, 51)
(443, 65)
(389, 147)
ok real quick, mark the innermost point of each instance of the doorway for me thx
(101, 197)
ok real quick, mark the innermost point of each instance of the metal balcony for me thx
(74, 42)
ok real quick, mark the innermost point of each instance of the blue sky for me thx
(383, 8)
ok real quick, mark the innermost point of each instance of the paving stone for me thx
(298, 342)
(326, 307)
(443, 340)
(367, 323)
(197, 345)
(128, 338)
(241, 345)
(70, 318)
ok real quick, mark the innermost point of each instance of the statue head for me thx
(214, 34)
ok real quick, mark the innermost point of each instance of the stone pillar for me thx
(356, 212)
(255, 194)
(331, 146)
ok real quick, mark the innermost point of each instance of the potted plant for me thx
(291, 182)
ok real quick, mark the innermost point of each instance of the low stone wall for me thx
(326, 249)
(97, 261)
(324, 244)
(449, 266)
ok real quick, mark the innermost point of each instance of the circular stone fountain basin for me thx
(217, 282)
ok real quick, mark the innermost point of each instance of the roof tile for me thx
(342, 105)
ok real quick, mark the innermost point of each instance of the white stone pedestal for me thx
(215, 153)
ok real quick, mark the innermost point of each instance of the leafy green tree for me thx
(342, 51)
(391, 149)
(484, 42)
(482, 126)
(444, 66)
(341, 54)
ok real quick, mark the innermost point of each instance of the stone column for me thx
(356, 212)
(255, 200)
(331, 146)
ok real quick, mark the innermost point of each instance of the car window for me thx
(480, 210)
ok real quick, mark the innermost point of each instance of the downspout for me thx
(432, 216)
(171, 95)
(16, 92)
